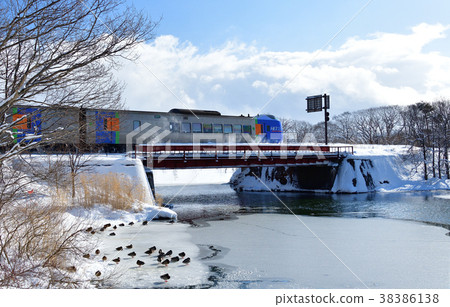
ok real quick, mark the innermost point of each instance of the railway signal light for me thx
(318, 103)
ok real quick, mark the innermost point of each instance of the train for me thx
(121, 130)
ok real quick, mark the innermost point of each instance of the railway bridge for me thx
(184, 156)
(312, 167)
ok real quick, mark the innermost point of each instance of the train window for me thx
(137, 125)
(237, 128)
(247, 129)
(207, 128)
(174, 127)
(218, 128)
(227, 128)
(186, 127)
(197, 128)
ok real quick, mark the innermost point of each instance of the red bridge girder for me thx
(167, 156)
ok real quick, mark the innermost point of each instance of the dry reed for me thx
(116, 190)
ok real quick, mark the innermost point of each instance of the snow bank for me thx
(388, 173)
(133, 168)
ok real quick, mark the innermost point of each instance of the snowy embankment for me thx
(137, 227)
(371, 168)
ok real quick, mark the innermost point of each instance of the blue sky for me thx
(237, 56)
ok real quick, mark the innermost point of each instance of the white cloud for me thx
(384, 68)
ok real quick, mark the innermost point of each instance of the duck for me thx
(97, 251)
(87, 256)
(165, 277)
(153, 248)
(71, 269)
(104, 258)
(112, 234)
(139, 263)
(119, 248)
(159, 259)
(166, 262)
(169, 253)
(131, 223)
(187, 260)
(132, 254)
(175, 259)
(182, 254)
(98, 273)
(161, 252)
(115, 227)
(121, 224)
(92, 232)
(129, 246)
(148, 252)
(102, 229)
(144, 222)
(117, 260)
(107, 225)
(89, 229)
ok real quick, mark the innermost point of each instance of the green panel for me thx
(117, 137)
(117, 114)
(14, 110)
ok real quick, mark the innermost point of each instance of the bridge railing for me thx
(234, 150)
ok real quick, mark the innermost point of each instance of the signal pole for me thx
(318, 103)
(327, 115)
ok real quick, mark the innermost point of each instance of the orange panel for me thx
(113, 124)
(258, 129)
(21, 125)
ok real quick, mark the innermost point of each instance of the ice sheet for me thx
(279, 251)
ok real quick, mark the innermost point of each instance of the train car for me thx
(120, 130)
(268, 128)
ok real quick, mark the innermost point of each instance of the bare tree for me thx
(345, 131)
(61, 53)
(55, 56)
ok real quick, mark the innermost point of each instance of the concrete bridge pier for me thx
(312, 177)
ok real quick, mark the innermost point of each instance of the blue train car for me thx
(28, 122)
(268, 128)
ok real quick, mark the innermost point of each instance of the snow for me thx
(243, 179)
(383, 165)
(133, 168)
(284, 251)
(192, 176)
(447, 196)
(126, 274)
(265, 251)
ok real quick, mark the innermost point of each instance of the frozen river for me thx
(253, 240)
